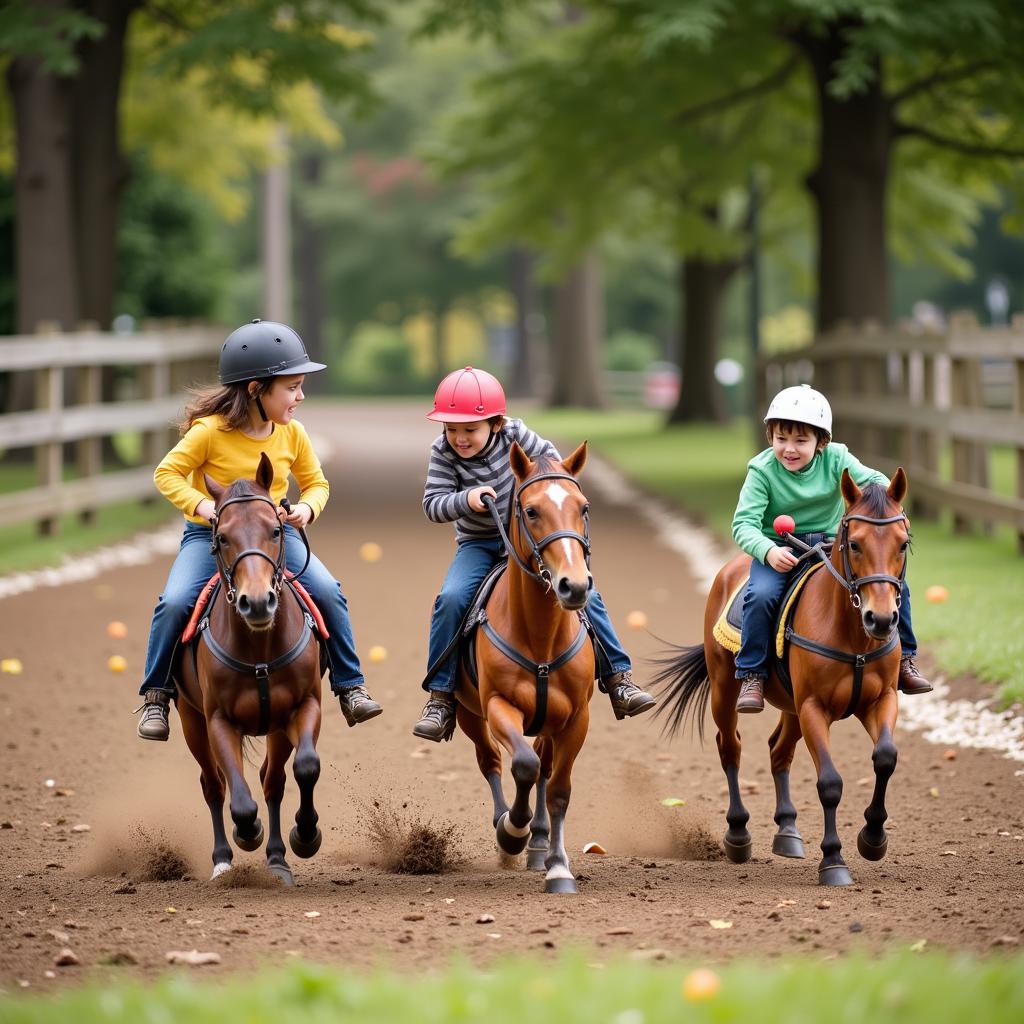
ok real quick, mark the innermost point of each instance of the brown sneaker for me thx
(438, 719)
(751, 698)
(911, 681)
(357, 705)
(627, 698)
(154, 724)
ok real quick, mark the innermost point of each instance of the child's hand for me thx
(299, 516)
(476, 496)
(781, 559)
(206, 508)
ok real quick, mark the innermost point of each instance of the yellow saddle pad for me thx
(727, 628)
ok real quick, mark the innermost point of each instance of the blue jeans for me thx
(761, 600)
(195, 564)
(473, 560)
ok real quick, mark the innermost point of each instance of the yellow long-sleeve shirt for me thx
(229, 455)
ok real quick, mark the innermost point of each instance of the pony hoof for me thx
(250, 844)
(835, 875)
(560, 886)
(738, 853)
(507, 840)
(283, 872)
(788, 846)
(868, 850)
(301, 849)
(535, 859)
(220, 868)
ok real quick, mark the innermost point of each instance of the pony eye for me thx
(905, 545)
(276, 533)
(854, 546)
(531, 512)
(222, 539)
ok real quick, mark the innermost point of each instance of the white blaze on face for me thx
(557, 493)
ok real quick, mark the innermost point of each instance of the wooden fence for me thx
(940, 405)
(151, 367)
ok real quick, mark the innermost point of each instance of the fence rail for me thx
(158, 364)
(942, 406)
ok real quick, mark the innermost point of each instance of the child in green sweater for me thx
(798, 475)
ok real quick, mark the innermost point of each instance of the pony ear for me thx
(897, 489)
(575, 463)
(215, 489)
(265, 472)
(521, 464)
(851, 492)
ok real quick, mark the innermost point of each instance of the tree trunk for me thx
(43, 223)
(100, 170)
(703, 284)
(439, 337)
(524, 292)
(579, 332)
(309, 267)
(849, 187)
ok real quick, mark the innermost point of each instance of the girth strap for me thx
(858, 661)
(260, 670)
(540, 671)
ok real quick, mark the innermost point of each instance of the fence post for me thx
(89, 450)
(156, 384)
(1018, 408)
(50, 456)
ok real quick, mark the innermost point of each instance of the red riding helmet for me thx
(465, 396)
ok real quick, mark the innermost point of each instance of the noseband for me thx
(228, 571)
(542, 574)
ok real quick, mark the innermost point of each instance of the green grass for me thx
(701, 469)
(905, 988)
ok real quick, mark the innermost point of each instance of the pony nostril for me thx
(590, 583)
(271, 601)
(564, 587)
(243, 604)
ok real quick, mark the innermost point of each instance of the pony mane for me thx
(874, 501)
(242, 489)
(546, 464)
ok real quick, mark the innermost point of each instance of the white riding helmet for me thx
(801, 404)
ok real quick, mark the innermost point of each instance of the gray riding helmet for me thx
(263, 348)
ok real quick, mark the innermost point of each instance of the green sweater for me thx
(811, 496)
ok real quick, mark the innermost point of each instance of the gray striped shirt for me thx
(450, 477)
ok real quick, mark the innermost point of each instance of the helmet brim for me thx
(308, 366)
(460, 417)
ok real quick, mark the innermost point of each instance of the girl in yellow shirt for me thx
(226, 428)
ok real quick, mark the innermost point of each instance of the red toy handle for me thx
(784, 525)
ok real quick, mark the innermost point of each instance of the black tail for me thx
(684, 679)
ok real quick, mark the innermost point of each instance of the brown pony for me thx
(843, 656)
(534, 664)
(254, 672)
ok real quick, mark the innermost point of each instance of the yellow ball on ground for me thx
(117, 630)
(636, 620)
(701, 984)
(378, 653)
(936, 594)
(370, 551)
(12, 666)
(116, 663)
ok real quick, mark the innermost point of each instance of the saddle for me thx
(728, 629)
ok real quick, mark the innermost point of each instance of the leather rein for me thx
(852, 585)
(540, 670)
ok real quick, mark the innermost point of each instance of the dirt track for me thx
(951, 877)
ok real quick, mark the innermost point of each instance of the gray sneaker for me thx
(357, 705)
(438, 719)
(154, 724)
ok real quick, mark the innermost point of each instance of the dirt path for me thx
(953, 877)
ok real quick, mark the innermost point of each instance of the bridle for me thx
(228, 571)
(542, 574)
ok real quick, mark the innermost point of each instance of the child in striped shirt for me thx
(469, 461)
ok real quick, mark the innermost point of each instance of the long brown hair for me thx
(230, 401)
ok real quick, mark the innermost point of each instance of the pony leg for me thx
(506, 725)
(193, 728)
(226, 742)
(787, 841)
(272, 776)
(488, 756)
(736, 841)
(305, 837)
(559, 877)
(879, 722)
(832, 870)
(540, 826)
